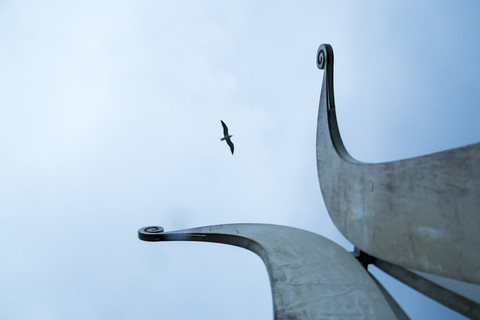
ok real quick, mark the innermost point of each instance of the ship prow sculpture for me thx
(417, 219)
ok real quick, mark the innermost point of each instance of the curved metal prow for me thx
(310, 276)
(421, 213)
(325, 62)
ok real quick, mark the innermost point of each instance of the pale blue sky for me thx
(110, 121)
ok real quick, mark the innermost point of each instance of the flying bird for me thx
(227, 136)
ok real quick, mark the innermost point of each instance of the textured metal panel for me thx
(420, 213)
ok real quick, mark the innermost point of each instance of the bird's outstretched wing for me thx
(230, 144)
(225, 129)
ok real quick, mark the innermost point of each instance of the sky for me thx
(110, 121)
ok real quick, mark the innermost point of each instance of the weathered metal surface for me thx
(311, 277)
(420, 213)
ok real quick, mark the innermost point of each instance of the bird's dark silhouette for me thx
(227, 136)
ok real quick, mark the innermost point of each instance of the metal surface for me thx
(431, 289)
(468, 290)
(421, 213)
(311, 277)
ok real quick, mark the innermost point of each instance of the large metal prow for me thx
(311, 277)
(420, 213)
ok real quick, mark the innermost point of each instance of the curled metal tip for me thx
(156, 233)
(325, 56)
(320, 58)
(150, 233)
(153, 229)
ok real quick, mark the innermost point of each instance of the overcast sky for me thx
(110, 121)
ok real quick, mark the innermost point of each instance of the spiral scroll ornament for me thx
(153, 229)
(320, 59)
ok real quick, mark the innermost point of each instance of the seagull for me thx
(226, 136)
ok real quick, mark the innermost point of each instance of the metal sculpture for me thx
(311, 277)
(420, 213)
(417, 219)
